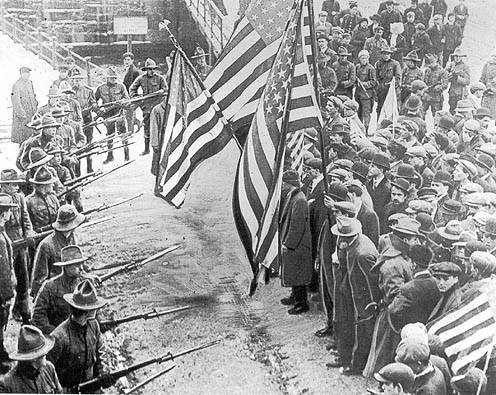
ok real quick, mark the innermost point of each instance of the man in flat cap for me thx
(24, 106)
(446, 276)
(395, 379)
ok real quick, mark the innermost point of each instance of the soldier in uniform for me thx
(345, 73)
(387, 71)
(7, 278)
(49, 249)
(459, 79)
(50, 308)
(200, 63)
(86, 99)
(149, 82)
(410, 73)
(109, 92)
(436, 79)
(32, 374)
(24, 105)
(365, 87)
(79, 346)
(19, 226)
(54, 97)
(374, 45)
(75, 112)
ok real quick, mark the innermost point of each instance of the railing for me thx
(210, 20)
(46, 46)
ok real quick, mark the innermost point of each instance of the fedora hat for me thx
(48, 121)
(76, 74)
(53, 91)
(6, 201)
(346, 227)
(10, 176)
(65, 87)
(451, 206)
(412, 55)
(31, 344)
(452, 231)
(407, 226)
(42, 176)
(70, 255)
(35, 121)
(323, 36)
(59, 112)
(38, 157)
(442, 177)
(110, 72)
(84, 297)
(149, 65)
(199, 53)
(342, 51)
(53, 148)
(68, 218)
(427, 225)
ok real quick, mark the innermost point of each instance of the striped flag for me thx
(296, 147)
(467, 332)
(181, 150)
(257, 189)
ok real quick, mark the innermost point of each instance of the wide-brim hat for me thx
(386, 48)
(452, 231)
(38, 157)
(6, 201)
(84, 297)
(31, 344)
(412, 56)
(413, 103)
(52, 149)
(10, 176)
(407, 226)
(76, 74)
(458, 52)
(42, 176)
(111, 73)
(70, 255)
(48, 121)
(342, 51)
(149, 65)
(68, 218)
(346, 227)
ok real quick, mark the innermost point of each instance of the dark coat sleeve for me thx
(296, 228)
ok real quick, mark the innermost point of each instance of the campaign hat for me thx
(110, 72)
(42, 176)
(386, 48)
(35, 121)
(76, 74)
(150, 65)
(412, 55)
(48, 121)
(342, 51)
(31, 344)
(70, 255)
(65, 87)
(10, 176)
(68, 218)
(59, 112)
(54, 91)
(458, 52)
(85, 297)
(198, 53)
(38, 157)
(53, 148)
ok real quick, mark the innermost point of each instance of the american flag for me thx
(296, 147)
(467, 332)
(182, 151)
(257, 189)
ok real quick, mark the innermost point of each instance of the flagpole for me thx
(165, 25)
(317, 95)
(486, 366)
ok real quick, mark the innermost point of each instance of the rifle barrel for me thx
(144, 316)
(149, 379)
(22, 242)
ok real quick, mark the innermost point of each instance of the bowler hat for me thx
(338, 191)
(361, 170)
(413, 103)
(482, 112)
(406, 226)
(470, 382)
(408, 173)
(451, 206)
(68, 218)
(451, 231)
(442, 177)
(42, 176)
(445, 269)
(412, 55)
(381, 160)
(84, 297)
(71, 255)
(402, 184)
(150, 65)
(427, 225)
(10, 176)
(346, 227)
(397, 373)
(6, 201)
(446, 122)
(31, 344)
(38, 157)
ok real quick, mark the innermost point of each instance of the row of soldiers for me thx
(399, 230)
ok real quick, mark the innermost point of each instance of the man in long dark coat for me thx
(296, 256)
(24, 105)
(355, 290)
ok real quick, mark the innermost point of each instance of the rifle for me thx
(95, 384)
(92, 145)
(149, 379)
(106, 206)
(88, 181)
(363, 88)
(102, 119)
(96, 221)
(370, 391)
(135, 265)
(23, 242)
(114, 148)
(109, 324)
(76, 180)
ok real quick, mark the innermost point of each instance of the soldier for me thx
(54, 97)
(50, 308)
(356, 289)
(459, 78)
(436, 79)
(374, 45)
(345, 73)
(336, 38)
(200, 63)
(365, 87)
(7, 278)
(149, 82)
(42, 203)
(410, 73)
(461, 14)
(109, 92)
(79, 345)
(75, 112)
(49, 250)
(387, 71)
(66, 133)
(32, 374)
(453, 36)
(19, 226)
(24, 105)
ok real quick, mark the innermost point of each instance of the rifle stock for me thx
(133, 265)
(97, 383)
(22, 242)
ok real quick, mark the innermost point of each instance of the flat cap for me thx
(397, 373)
(416, 151)
(445, 269)
(470, 382)
(418, 206)
(411, 351)
(477, 199)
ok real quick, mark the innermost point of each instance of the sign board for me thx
(130, 25)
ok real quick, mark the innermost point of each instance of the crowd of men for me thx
(394, 225)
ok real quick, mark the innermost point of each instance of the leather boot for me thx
(147, 147)
(110, 158)
(126, 154)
